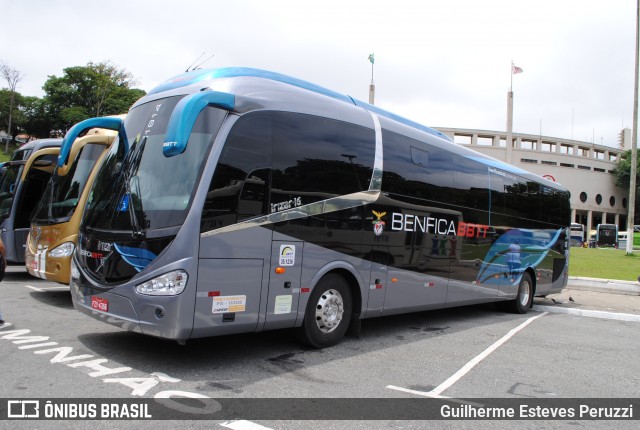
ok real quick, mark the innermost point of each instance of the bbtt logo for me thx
(378, 224)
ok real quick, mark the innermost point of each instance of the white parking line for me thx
(589, 313)
(61, 288)
(243, 425)
(437, 392)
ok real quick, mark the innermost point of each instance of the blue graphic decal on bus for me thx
(136, 257)
(515, 251)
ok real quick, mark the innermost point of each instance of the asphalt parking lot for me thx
(579, 344)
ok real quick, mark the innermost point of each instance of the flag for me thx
(515, 69)
(371, 58)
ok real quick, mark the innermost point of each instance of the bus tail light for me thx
(169, 284)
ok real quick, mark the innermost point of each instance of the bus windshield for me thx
(61, 196)
(142, 189)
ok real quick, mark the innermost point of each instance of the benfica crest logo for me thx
(378, 224)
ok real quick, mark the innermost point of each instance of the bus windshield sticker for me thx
(226, 304)
(287, 255)
(283, 304)
(124, 203)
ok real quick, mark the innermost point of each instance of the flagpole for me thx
(509, 154)
(511, 86)
(372, 86)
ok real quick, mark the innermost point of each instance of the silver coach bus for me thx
(238, 200)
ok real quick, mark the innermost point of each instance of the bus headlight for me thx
(75, 273)
(169, 284)
(64, 250)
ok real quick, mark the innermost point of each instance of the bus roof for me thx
(204, 75)
(37, 144)
(199, 80)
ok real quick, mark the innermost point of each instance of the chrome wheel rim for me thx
(525, 291)
(329, 311)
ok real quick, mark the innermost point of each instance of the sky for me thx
(439, 63)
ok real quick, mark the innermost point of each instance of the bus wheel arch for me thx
(524, 298)
(334, 302)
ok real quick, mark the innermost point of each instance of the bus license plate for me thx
(100, 304)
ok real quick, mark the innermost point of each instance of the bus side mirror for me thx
(184, 117)
(110, 123)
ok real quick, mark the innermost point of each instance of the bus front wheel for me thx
(524, 299)
(328, 312)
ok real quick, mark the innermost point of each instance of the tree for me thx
(96, 89)
(13, 77)
(622, 172)
(37, 118)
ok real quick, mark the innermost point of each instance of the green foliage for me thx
(17, 118)
(97, 89)
(622, 171)
(82, 92)
(37, 119)
(604, 263)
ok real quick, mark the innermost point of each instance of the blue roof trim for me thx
(110, 123)
(499, 165)
(184, 116)
(189, 78)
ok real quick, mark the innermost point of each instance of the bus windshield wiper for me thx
(51, 186)
(134, 159)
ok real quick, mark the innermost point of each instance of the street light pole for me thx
(634, 144)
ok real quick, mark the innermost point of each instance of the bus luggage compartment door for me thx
(284, 284)
(227, 296)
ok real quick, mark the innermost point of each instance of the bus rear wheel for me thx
(524, 299)
(328, 312)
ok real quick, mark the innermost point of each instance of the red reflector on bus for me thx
(214, 293)
(378, 286)
(305, 290)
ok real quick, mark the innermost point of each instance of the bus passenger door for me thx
(284, 284)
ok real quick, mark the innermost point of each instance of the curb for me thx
(629, 288)
(588, 313)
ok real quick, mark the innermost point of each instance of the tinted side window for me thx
(416, 169)
(33, 188)
(317, 158)
(284, 157)
(515, 193)
(471, 182)
(555, 206)
(239, 186)
(496, 187)
(532, 204)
